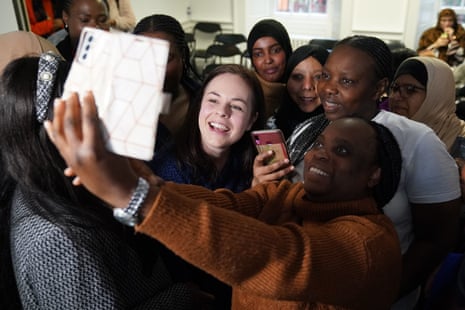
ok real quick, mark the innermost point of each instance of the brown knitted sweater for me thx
(306, 256)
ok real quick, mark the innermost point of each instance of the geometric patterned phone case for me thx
(126, 74)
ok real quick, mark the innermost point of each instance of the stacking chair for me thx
(190, 41)
(394, 44)
(216, 53)
(246, 61)
(204, 34)
(230, 38)
(226, 45)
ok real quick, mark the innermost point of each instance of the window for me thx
(302, 6)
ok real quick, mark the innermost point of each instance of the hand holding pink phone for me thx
(271, 139)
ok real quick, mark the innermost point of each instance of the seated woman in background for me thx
(277, 244)
(180, 80)
(78, 14)
(445, 41)
(65, 253)
(269, 48)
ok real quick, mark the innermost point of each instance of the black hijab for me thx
(289, 114)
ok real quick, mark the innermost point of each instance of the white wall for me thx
(389, 19)
(175, 8)
(301, 27)
(394, 19)
(189, 11)
(7, 17)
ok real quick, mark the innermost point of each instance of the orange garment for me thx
(277, 249)
(44, 27)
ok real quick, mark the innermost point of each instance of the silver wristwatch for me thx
(130, 215)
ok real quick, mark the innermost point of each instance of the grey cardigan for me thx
(85, 268)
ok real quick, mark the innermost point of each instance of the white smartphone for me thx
(271, 139)
(126, 74)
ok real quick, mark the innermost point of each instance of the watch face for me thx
(124, 217)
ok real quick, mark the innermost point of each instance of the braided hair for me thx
(68, 3)
(376, 49)
(389, 158)
(169, 25)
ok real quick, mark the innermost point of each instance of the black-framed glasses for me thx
(405, 90)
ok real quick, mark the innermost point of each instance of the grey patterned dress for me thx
(85, 268)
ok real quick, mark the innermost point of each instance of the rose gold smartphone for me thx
(271, 139)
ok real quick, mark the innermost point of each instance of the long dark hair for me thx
(188, 141)
(165, 23)
(31, 164)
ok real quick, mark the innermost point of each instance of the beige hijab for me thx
(17, 44)
(438, 108)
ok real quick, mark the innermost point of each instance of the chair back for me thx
(394, 44)
(204, 34)
(230, 38)
(190, 39)
(216, 54)
(207, 27)
(328, 44)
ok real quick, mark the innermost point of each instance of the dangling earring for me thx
(382, 98)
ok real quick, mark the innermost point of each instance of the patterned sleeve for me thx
(70, 274)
